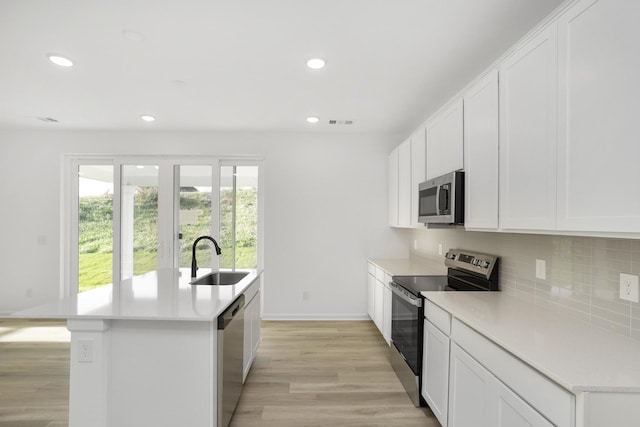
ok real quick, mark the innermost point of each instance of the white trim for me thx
(311, 317)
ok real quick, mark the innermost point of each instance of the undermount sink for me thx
(220, 278)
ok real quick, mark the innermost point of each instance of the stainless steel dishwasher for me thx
(230, 353)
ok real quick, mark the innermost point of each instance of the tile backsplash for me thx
(582, 273)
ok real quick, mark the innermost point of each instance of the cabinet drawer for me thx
(552, 401)
(379, 274)
(440, 318)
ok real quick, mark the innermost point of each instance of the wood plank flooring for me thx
(306, 374)
(317, 374)
(34, 373)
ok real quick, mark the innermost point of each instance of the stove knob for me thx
(485, 264)
(450, 256)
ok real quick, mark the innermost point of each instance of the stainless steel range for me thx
(467, 271)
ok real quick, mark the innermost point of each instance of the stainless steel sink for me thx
(220, 278)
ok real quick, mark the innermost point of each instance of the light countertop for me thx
(576, 355)
(413, 266)
(158, 295)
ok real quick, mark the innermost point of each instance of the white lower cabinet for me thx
(379, 298)
(435, 371)
(479, 399)
(469, 381)
(251, 326)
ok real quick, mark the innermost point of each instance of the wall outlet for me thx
(541, 269)
(85, 351)
(305, 295)
(439, 248)
(415, 244)
(629, 287)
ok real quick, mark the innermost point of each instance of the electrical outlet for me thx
(629, 287)
(85, 351)
(439, 248)
(541, 269)
(415, 244)
(305, 295)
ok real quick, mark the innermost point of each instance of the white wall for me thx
(325, 211)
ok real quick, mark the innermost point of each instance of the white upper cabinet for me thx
(481, 136)
(598, 102)
(445, 141)
(404, 184)
(392, 190)
(418, 168)
(528, 116)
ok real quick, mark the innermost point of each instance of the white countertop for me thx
(158, 295)
(576, 355)
(413, 266)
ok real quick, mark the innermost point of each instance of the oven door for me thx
(406, 326)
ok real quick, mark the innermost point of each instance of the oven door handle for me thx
(402, 294)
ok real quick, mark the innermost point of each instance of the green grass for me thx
(95, 269)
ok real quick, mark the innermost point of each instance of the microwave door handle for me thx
(437, 200)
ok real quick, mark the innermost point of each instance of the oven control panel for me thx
(471, 261)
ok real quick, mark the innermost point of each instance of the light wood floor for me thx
(306, 374)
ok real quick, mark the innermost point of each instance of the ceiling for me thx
(240, 65)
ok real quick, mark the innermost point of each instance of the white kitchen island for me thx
(144, 353)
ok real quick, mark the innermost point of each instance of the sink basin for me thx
(220, 278)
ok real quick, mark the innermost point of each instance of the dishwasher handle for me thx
(227, 316)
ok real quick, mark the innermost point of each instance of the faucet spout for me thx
(194, 263)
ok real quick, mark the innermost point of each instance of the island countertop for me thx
(157, 295)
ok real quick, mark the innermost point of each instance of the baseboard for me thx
(316, 317)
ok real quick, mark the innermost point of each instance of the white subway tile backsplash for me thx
(582, 273)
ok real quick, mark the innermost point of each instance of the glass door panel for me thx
(95, 226)
(139, 219)
(194, 214)
(238, 217)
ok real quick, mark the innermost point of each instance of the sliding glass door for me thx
(133, 216)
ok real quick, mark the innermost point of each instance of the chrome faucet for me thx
(194, 264)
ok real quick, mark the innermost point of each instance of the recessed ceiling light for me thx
(140, 166)
(313, 119)
(60, 60)
(148, 118)
(316, 63)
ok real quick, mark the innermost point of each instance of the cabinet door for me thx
(379, 306)
(512, 411)
(386, 329)
(404, 184)
(469, 388)
(418, 168)
(481, 132)
(435, 371)
(599, 100)
(528, 98)
(392, 189)
(445, 141)
(248, 337)
(371, 291)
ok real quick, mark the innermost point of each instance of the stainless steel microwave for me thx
(441, 200)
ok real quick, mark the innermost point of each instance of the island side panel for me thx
(89, 373)
(163, 373)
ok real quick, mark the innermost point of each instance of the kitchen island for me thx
(145, 352)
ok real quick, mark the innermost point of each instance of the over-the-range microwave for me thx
(441, 200)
